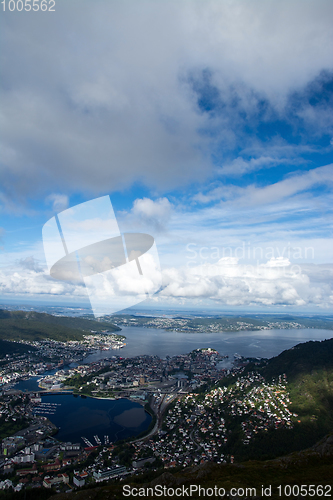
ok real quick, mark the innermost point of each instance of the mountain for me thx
(302, 359)
(31, 325)
(309, 373)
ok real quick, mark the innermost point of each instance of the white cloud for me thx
(98, 95)
(227, 282)
(250, 195)
(151, 215)
(240, 166)
(31, 264)
(288, 187)
(30, 280)
(59, 201)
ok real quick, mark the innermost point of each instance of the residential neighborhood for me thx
(193, 399)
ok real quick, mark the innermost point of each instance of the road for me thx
(158, 405)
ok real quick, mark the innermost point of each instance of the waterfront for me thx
(28, 385)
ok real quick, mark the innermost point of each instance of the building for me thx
(78, 481)
(110, 472)
(182, 382)
(18, 459)
(50, 481)
(140, 463)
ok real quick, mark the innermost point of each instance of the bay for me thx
(28, 385)
(78, 417)
(32, 383)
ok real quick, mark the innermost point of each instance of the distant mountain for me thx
(31, 325)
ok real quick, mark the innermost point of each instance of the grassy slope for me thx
(301, 359)
(309, 369)
(22, 325)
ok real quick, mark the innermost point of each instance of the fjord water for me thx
(261, 343)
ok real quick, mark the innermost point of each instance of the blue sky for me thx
(208, 123)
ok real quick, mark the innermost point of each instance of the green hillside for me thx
(7, 347)
(30, 325)
(309, 370)
(301, 359)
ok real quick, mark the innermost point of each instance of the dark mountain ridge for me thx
(300, 359)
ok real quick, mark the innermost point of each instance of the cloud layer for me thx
(227, 282)
(274, 283)
(100, 94)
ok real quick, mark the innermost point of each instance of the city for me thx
(197, 407)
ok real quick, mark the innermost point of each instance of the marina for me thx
(97, 439)
(46, 408)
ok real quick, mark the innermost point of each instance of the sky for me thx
(209, 125)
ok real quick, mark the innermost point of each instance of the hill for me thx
(30, 325)
(301, 359)
(225, 323)
(309, 371)
(7, 347)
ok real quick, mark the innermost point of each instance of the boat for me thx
(237, 356)
(98, 441)
(87, 442)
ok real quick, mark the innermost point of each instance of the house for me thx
(78, 481)
(108, 473)
(50, 481)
